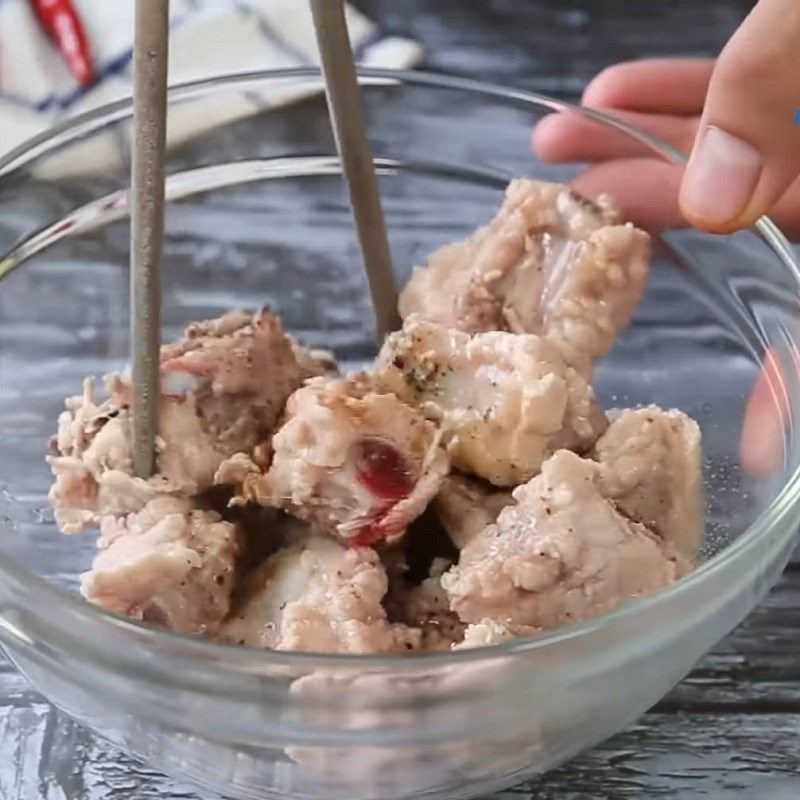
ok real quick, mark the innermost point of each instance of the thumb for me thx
(747, 149)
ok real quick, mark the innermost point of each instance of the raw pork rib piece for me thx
(168, 564)
(240, 371)
(591, 290)
(91, 463)
(223, 388)
(560, 555)
(466, 506)
(318, 596)
(651, 467)
(504, 402)
(550, 262)
(493, 279)
(355, 463)
(487, 632)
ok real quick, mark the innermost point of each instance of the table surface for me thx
(732, 728)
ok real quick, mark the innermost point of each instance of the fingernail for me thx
(720, 177)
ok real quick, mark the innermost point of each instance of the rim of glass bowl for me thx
(44, 598)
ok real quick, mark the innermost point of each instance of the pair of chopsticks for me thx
(147, 194)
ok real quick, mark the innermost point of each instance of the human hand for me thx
(735, 116)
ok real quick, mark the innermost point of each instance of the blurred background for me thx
(61, 57)
(554, 46)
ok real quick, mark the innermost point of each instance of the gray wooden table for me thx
(732, 728)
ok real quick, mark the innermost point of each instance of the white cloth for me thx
(207, 37)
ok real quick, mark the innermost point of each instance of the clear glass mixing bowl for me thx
(258, 213)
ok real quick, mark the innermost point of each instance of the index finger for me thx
(653, 85)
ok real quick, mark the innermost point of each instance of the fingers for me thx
(761, 448)
(786, 213)
(647, 192)
(747, 151)
(645, 189)
(659, 86)
(660, 96)
(570, 137)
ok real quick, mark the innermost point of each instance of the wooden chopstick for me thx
(147, 222)
(347, 119)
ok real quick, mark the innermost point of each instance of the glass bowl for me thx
(258, 214)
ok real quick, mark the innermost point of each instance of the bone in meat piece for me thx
(223, 386)
(591, 290)
(504, 402)
(169, 564)
(355, 463)
(651, 467)
(465, 506)
(562, 554)
(551, 262)
(318, 596)
(465, 283)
